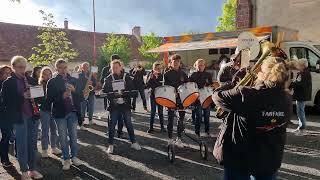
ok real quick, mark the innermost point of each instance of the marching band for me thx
(66, 100)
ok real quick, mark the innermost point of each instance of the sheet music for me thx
(245, 58)
(36, 91)
(118, 85)
(94, 69)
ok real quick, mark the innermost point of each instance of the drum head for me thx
(207, 103)
(190, 99)
(165, 102)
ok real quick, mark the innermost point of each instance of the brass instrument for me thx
(88, 88)
(251, 74)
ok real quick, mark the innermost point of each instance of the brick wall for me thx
(244, 14)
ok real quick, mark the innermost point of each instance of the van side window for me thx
(301, 52)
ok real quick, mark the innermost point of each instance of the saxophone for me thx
(88, 88)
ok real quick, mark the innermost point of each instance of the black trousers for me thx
(4, 143)
(180, 128)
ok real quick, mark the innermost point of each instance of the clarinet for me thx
(35, 108)
(66, 82)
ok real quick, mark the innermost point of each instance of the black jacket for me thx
(12, 100)
(226, 73)
(55, 89)
(138, 77)
(175, 78)
(44, 104)
(107, 88)
(153, 81)
(83, 81)
(201, 78)
(104, 73)
(302, 86)
(261, 147)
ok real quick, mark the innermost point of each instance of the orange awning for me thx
(196, 45)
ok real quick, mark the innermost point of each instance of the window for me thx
(224, 51)
(301, 52)
(232, 51)
(213, 51)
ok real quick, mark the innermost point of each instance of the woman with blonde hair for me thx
(47, 122)
(267, 108)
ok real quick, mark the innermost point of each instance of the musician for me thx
(65, 95)
(175, 77)
(137, 73)
(202, 78)
(267, 108)
(105, 73)
(154, 79)
(47, 122)
(83, 80)
(119, 107)
(226, 73)
(22, 111)
(5, 125)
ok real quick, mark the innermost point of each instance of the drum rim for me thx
(188, 83)
(206, 101)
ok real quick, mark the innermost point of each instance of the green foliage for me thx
(116, 44)
(227, 21)
(54, 44)
(150, 41)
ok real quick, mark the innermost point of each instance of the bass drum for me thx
(205, 97)
(166, 96)
(189, 93)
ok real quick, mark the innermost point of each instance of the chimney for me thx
(65, 23)
(136, 31)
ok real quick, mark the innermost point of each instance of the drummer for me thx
(175, 77)
(119, 108)
(203, 79)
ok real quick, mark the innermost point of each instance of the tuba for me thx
(251, 74)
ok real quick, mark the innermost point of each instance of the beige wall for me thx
(303, 15)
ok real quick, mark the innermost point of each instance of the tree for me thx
(227, 21)
(150, 41)
(116, 44)
(15, 0)
(54, 44)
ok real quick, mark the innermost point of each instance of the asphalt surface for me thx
(301, 158)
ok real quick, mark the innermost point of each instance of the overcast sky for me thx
(164, 17)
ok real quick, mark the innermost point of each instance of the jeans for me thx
(193, 116)
(300, 105)
(88, 105)
(143, 97)
(154, 106)
(236, 174)
(68, 127)
(47, 122)
(116, 115)
(4, 143)
(180, 122)
(26, 142)
(199, 113)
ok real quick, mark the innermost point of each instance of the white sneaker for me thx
(76, 161)
(136, 146)
(35, 175)
(66, 164)
(44, 153)
(83, 128)
(56, 151)
(110, 149)
(179, 143)
(171, 141)
(301, 132)
(25, 176)
(206, 135)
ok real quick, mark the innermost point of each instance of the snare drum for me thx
(189, 93)
(166, 96)
(205, 97)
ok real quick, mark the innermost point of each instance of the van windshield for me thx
(317, 46)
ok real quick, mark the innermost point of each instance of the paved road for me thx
(301, 159)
